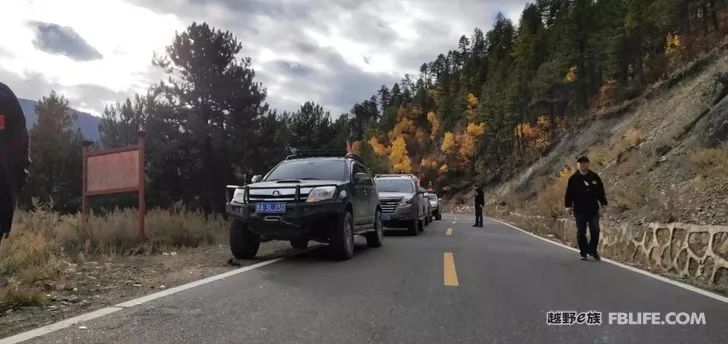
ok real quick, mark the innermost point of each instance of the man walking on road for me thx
(584, 195)
(479, 203)
(14, 157)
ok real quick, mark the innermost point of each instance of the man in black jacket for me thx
(14, 157)
(479, 203)
(584, 195)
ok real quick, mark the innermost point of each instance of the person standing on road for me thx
(584, 195)
(479, 203)
(14, 156)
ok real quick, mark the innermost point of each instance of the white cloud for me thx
(333, 52)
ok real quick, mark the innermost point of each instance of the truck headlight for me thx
(405, 201)
(321, 193)
(239, 196)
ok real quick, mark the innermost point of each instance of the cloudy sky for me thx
(335, 52)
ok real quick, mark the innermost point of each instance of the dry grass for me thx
(711, 163)
(603, 155)
(550, 200)
(43, 243)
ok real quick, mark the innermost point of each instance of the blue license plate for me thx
(386, 217)
(270, 208)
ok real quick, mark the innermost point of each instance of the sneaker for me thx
(583, 257)
(596, 256)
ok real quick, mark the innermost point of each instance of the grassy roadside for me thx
(54, 266)
(44, 245)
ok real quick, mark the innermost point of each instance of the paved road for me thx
(506, 282)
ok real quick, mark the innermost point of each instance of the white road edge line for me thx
(41, 331)
(625, 266)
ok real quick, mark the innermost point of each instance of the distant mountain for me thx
(89, 124)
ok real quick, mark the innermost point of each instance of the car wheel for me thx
(299, 244)
(438, 216)
(244, 244)
(413, 227)
(375, 238)
(342, 238)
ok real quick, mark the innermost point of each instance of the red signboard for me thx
(115, 171)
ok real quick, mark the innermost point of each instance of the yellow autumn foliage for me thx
(443, 169)
(475, 129)
(403, 127)
(379, 148)
(571, 74)
(672, 43)
(466, 148)
(434, 123)
(471, 112)
(428, 163)
(399, 157)
(448, 142)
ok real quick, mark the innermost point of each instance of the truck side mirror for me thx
(256, 178)
(361, 178)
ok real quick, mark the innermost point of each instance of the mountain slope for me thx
(89, 124)
(662, 156)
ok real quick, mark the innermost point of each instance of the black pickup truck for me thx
(310, 196)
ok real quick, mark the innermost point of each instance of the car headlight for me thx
(239, 196)
(405, 201)
(321, 193)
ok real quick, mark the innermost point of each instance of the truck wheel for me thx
(422, 225)
(342, 238)
(438, 216)
(375, 238)
(414, 227)
(299, 244)
(244, 244)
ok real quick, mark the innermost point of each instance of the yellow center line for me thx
(450, 276)
(449, 231)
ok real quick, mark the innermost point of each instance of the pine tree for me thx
(56, 153)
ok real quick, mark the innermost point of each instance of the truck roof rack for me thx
(316, 153)
(396, 175)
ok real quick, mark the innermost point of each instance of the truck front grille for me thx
(389, 206)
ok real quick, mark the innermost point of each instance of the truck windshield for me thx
(394, 185)
(309, 169)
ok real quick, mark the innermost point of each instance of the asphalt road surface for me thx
(451, 284)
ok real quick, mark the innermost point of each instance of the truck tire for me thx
(244, 244)
(342, 238)
(414, 227)
(375, 238)
(299, 244)
(438, 216)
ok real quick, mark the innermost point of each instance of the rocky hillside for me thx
(663, 156)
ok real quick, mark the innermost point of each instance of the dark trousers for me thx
(478, 215)
(7, 204)
(592, 221)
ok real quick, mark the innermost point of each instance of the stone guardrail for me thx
(696, 252)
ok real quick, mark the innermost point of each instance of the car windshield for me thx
(394, 185)
(309, 169)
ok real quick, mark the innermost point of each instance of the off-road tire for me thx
(244, 244)
(342, 238)
(375, 238)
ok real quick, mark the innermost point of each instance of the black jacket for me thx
(14, 157)
(584, 193)
(479, 197)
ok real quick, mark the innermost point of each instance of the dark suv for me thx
(403, 202)
(324, 197)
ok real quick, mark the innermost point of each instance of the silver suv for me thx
(403, 202)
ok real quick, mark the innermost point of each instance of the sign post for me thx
(114, 171)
